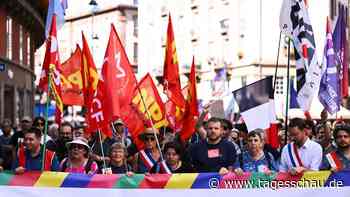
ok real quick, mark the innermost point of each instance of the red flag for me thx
(98, 116)
(88, 73)
(272, 135)
(117, 75)
(52, 67)
(71, 79)
(171, 76)
(191, 113)
(152, 100)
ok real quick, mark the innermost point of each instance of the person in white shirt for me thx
(302, 154)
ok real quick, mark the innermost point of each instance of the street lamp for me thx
(93, 3)
(94, 7)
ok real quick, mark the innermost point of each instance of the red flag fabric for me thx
(272, 135)
(191, 113)
(71, 80)
(172, 86)
(89, 73)
(117, 75)
(98, 116)
(52, 67)
(154, 105)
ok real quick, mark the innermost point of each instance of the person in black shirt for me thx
(213, 154)
(173, 157)
(118, 157)
(65, 135)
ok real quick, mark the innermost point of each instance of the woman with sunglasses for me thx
(149, 157)
(78, 160)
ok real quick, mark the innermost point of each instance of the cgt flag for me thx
(295, 23)
(256, 104)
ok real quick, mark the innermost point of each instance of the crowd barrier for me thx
(322, 183)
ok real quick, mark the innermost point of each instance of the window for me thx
(9, 38)
(135, 52)
(244, 80)
(134, 19)
(28, 49)
(21, 44)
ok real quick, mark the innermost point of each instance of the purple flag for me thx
(329, 94)
(341, 49)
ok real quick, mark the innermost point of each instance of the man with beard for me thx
(339, 158)
(324, 137)
(214, 154)
(65, 135)
(302, 154)
(29, 157)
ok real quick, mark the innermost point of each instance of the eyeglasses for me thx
(150, 138)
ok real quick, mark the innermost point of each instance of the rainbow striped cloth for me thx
(174, 181)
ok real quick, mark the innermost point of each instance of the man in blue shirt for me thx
(29, 157)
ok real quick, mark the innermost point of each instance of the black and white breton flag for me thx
(295, 23)
(256, 104)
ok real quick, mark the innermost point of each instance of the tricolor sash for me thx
(147, 159)
(164, 168)
(334, 161)
(294, 155)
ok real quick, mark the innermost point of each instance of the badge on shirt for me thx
(213, 153)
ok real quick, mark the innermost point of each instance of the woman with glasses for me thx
(78, 158)
(118, 162)
(149, 157)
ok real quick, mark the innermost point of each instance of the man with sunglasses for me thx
(214, 154)
(29, 157)
(339, 158)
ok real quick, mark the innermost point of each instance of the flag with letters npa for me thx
(52, 67)
(329, 94)
(71, 80)
(256, 104)
(341, 48)
(295, 23)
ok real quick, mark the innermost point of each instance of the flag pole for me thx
(123, 142)
(152, 124)
(277, 62)
(46, 119)
(102, 152)
(287, 97)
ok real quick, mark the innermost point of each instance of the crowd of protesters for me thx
(217, 145)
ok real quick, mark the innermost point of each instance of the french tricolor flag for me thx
(256, 104)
